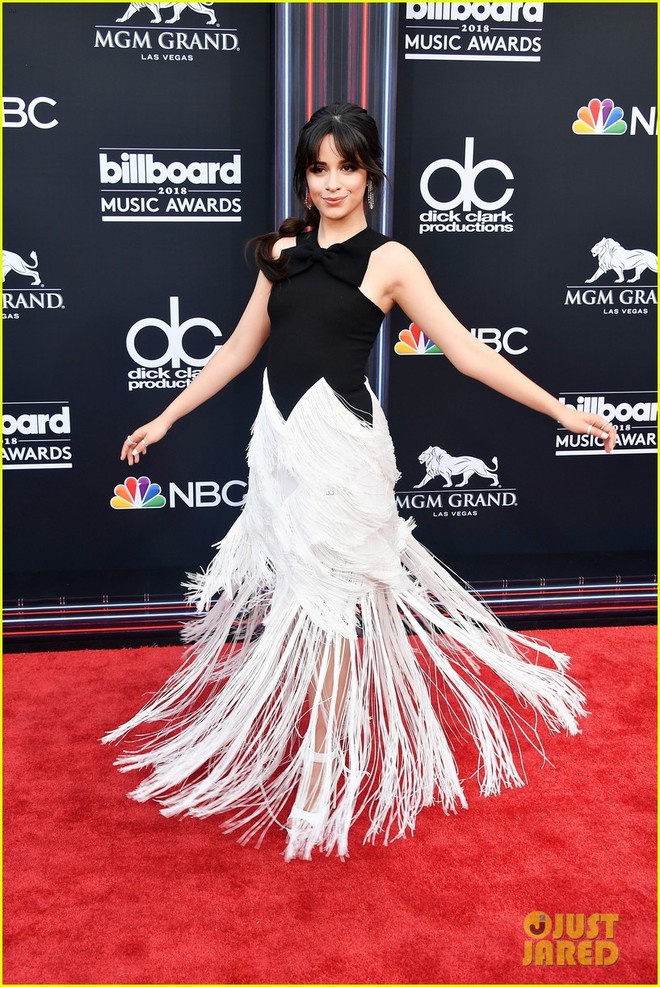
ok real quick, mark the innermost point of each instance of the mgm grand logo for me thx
(456, 499)
(618, 267)
(156, 40)
(21, 295)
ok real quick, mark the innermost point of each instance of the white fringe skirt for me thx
(341, 661)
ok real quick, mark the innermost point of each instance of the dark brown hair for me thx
(356, 138)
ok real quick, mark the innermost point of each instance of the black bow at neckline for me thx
(344, 260)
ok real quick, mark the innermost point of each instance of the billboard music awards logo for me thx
(602, 118)
(413, 342)
(465, 211)
(184, 185)
(635, 414)
(617, 268)
(474, 32)
(152, 36)
(448, 498)
(140, 493)
(169, 354)
(36, 435)
(26, 291)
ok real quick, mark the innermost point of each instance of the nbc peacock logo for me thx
(413, 342)
(600, 117)
(137, 493)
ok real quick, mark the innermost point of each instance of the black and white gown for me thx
(349, 629)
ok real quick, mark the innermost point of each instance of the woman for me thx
(356, 649)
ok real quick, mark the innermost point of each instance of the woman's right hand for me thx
(140, 439)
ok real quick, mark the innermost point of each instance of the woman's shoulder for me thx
(395, 264)
(393, 252)
(283, 243)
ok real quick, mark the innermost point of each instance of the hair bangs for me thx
(349, 144)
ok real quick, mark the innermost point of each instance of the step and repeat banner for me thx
(139, 161)
(525, 183)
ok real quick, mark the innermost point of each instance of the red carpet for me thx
(100, 889)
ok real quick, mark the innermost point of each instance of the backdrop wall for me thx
(539, 233)
(137, 202)
(140, 156)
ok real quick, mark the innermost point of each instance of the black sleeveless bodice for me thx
(321, 323)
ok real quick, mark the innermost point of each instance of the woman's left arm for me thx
(412, 290)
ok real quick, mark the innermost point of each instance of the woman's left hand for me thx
(584, 423)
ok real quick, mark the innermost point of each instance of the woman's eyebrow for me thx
(341, 161)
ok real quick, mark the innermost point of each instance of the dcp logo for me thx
(17, 113)
(468, 173)
(174, 332)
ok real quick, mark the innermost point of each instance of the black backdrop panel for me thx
(520, 274)
(138, 163)
(94, 341)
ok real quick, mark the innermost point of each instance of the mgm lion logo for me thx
(177, 10)
(14, 262)
(438, 462)
(613, 257)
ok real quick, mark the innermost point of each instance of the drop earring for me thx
(308, 201)
(370, 194)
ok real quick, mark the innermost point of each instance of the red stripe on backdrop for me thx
(310, 60)
(446, 906)
(365, 56)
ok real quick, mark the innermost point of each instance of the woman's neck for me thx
(330, 232)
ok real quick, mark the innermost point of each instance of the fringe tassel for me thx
(352, 636)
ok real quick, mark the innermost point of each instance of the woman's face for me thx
(336, 186)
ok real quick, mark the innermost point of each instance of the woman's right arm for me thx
(230, 360)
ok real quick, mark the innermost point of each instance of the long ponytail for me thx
(276, 269)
